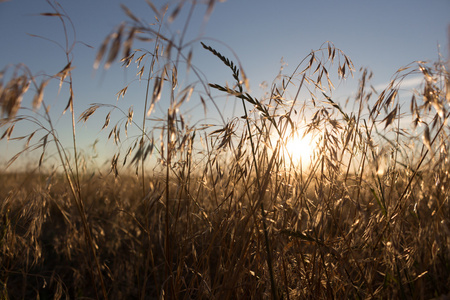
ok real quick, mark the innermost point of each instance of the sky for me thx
(262, 35)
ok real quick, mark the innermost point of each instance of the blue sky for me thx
(381, 35)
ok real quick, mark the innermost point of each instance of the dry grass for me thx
(222, 214)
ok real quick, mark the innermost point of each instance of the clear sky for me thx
(382, 35)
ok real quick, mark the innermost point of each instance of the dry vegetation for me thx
(222, 214)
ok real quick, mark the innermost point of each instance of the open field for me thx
(333, 240)
(224, 211)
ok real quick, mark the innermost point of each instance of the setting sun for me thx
(300, 149)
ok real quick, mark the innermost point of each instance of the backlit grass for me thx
(223, 210)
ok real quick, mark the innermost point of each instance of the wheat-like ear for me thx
(350, 225)
(39, 96)
(88, 112)
(12, 94)
(225, 60)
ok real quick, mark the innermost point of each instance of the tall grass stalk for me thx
(71, 170)
(221, 210)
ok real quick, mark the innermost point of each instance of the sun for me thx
(299, 149)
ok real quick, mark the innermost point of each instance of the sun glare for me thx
(300, 149)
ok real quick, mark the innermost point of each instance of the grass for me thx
(223, 214)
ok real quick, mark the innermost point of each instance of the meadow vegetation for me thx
(217, 211)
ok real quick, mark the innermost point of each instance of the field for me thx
(225, 212)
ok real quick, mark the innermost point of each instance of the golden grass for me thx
(223, 214)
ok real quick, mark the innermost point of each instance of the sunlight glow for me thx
(300, 148)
